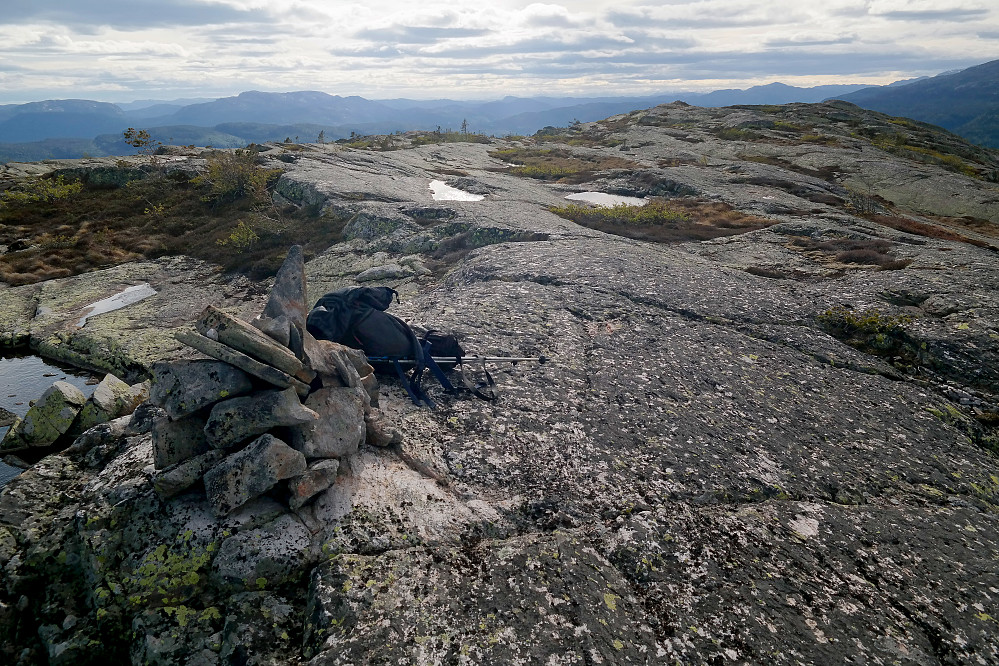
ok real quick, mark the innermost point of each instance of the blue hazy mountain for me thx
(34, 131)
(965, 102)
(58, 119)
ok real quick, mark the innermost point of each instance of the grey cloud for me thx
(541, 46)
(417, 34)
(236, 41)
(697, 66)
(846, 39)
(378, 53)
(632, 19)
(953, 15)
(988, 35)
(127, 14)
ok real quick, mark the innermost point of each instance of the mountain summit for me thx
(965, 102)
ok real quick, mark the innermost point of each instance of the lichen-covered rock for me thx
(185, 473)
(705, 471)
(176, 440)
(245, 639)
(184, 387)
(320, 476)
(474, 603)
(384, 273)
(46, 421)
(111, 399)
(234, 332)
(238, 419)
(268, 557)
(251, 472)
(339, 430)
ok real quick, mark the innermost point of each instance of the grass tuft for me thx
(662, 221)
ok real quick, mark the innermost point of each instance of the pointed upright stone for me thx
(284, 315)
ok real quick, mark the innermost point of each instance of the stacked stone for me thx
(273, 408)
(63, 410)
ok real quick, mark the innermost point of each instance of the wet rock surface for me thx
(711, 468)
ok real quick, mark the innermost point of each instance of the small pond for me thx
(604, 199)
(23, 378)
(441, 191)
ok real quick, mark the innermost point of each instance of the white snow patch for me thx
(441, 191)
(116, 302)
(604, 199)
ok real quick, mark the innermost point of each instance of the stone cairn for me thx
(272, 408)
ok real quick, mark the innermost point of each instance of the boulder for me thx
(225, 353)
(370, 384)
(176, 440)
(184, 387)
(235, 420)
(331, 361)
(111, 399)
(359, 361)
(320, 476)
(228, 330)
(47, 420)
(101, 434)
(383, 273)
(142, 419)
(244, 634)
(339, 427)
(267, 557)
(251, 472)
(175, 480)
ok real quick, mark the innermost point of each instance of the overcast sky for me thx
(122, 50)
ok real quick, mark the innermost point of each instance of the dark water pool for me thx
(23, 378)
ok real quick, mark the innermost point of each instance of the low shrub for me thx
(665, 221)
(737, 134)
(42, 189)
(558, 164)
(232, 175)
(869, 322)
(861, 251)
(100, 227)
(911, 226)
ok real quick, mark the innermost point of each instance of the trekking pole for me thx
(464, 359)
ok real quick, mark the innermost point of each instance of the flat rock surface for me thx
(704, 470)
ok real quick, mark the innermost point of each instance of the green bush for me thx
(234, 175)
(848, 322)
(43, 189)
(241, 238)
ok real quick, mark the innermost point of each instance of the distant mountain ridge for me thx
(964, 102)
(73, 128)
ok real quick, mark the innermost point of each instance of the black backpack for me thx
(356, 317)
